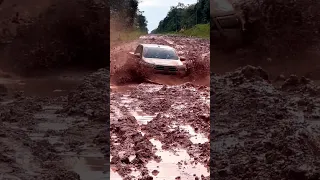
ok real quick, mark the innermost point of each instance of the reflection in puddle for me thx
(89, 168)
(195, 138)
(174, 164)
(126, 100)
(114, 175)
(141, 117)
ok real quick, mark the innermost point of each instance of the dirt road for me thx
(160, 131)
(262, 129)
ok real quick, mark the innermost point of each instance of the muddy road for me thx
(264, 129)
(55, 127)
(160, 131)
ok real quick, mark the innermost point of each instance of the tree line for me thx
(127, 12)
(184, 17)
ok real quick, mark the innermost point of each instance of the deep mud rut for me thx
(263, 129)
(160, 131)
(57, 133)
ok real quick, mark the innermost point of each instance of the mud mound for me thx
(166, 133)
(296, 85)
(68, 33)
(91, 97)
(260, 127)
(248, 73)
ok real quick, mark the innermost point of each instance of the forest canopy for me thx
(183, 16)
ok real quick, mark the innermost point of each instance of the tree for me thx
(185, 16)
(141, 22)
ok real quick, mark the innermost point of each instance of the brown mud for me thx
(53, 124)
(50, 134)
(264, 129)
(160, 130)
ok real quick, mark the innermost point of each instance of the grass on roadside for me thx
(199, 30)
(124, 36)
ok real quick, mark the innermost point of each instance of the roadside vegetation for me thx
(127, 22)
(189, 20)
(199, 30)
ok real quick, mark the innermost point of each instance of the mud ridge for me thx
(270, 131)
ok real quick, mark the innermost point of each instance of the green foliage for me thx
(141, 22)
(127, 22)
(183, 17)
(199, 30)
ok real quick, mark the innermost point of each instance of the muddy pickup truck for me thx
(227, 27)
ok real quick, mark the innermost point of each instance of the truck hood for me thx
(163, 62)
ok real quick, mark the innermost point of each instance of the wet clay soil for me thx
(48, 132)
(161, 130)
(264, 129)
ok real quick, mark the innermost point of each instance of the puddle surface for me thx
(196, 138)
(141, 117)
(174, 164)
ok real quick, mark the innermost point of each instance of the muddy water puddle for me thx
(195, 138)
(174, 164)
(140, 116)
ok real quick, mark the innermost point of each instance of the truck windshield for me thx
(159, 53)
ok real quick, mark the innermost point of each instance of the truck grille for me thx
(159, 67)
(172, 68)
(166, 68)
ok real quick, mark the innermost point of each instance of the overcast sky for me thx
(156, 10)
